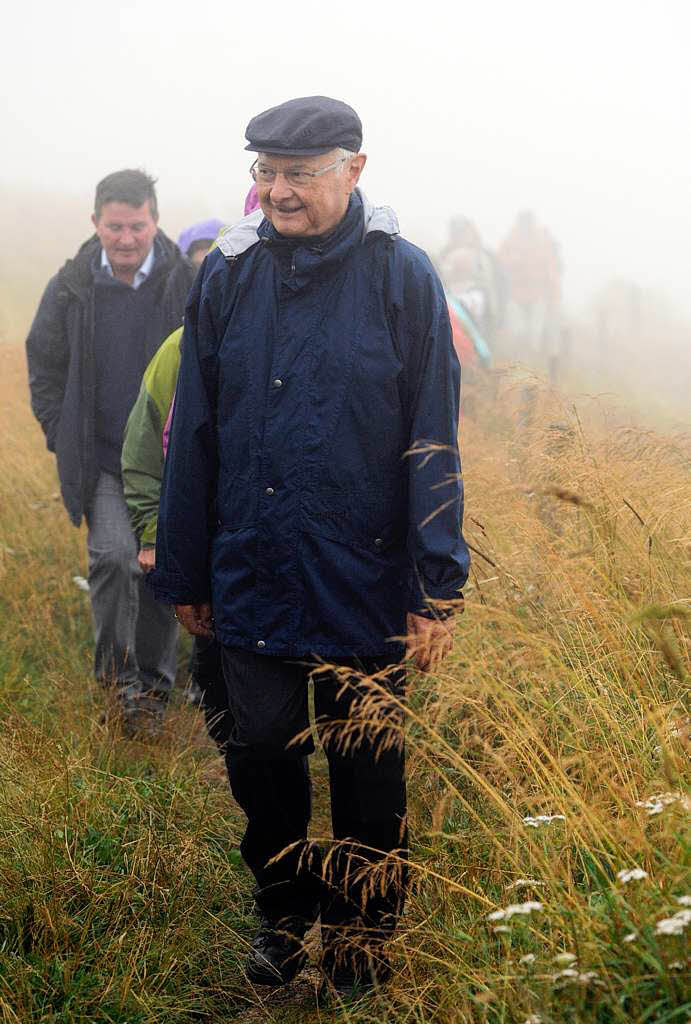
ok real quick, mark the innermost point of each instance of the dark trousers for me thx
(360, 890)
(206, 669)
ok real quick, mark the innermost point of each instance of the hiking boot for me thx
(141, 712)
(143, 720)
(278, 952)
(194, 694)
(347, 983)
(136, 711)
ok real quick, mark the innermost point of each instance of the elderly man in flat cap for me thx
(311, 519)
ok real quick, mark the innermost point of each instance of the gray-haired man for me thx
(317, 353)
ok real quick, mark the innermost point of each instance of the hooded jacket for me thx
(312, 488)
(60, 352)
(144, 447)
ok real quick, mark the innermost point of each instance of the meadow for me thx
(548, 760)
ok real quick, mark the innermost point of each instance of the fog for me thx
(579, 112)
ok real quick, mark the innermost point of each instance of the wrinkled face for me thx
(126, 233)
(312, 209)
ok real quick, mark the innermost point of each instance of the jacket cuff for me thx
(172, 589)
(432, 602)
(147, 537)
(434, 609)
(439, 609)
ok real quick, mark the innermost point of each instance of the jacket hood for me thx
(202, 231)
(77, 273)
(240, 237)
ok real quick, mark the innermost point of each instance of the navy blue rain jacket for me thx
(310, 371)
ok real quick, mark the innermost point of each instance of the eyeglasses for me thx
(264, 175)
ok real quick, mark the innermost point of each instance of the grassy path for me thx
(549, 756)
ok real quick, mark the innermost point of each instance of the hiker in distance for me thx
(297, 525)
(99, 322)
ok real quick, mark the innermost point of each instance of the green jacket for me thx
(142, 451)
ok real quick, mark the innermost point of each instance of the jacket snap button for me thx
(270, 490)
(278, 383)
(378, 541)
(261, 643)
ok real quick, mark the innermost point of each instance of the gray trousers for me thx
(136, 636)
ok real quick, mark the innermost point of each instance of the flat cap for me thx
(305, 127)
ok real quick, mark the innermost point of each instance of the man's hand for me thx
(147, 559)
(196, 618)
(428, 641)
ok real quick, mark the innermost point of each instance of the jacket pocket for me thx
(234, 553)
(354, 587)
(363, 533)
(236, 503)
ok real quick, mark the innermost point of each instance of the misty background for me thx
(577, 111)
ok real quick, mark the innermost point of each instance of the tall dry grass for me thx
(548, 756)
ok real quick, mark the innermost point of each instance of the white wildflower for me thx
(566, 958)
(653, 807)
(501, 928)
(529, 958)
(631, 937)
(514, 908)
(569, 974)
(542, 819)
(523, 883)
(675, 924)
(656, 804)
(684, 901)
(679, 728)
(80, 582)
(631, 875)
(677, 965)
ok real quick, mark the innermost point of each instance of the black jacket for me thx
(60, 352)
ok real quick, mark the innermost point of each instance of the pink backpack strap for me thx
(166, 429)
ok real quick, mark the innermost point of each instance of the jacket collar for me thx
(240, 237)
(299, 259)
(78, 273)
(140, 275)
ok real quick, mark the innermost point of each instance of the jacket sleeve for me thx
(142, 451)
(187, 510)
(48, 356)
(439, 558)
